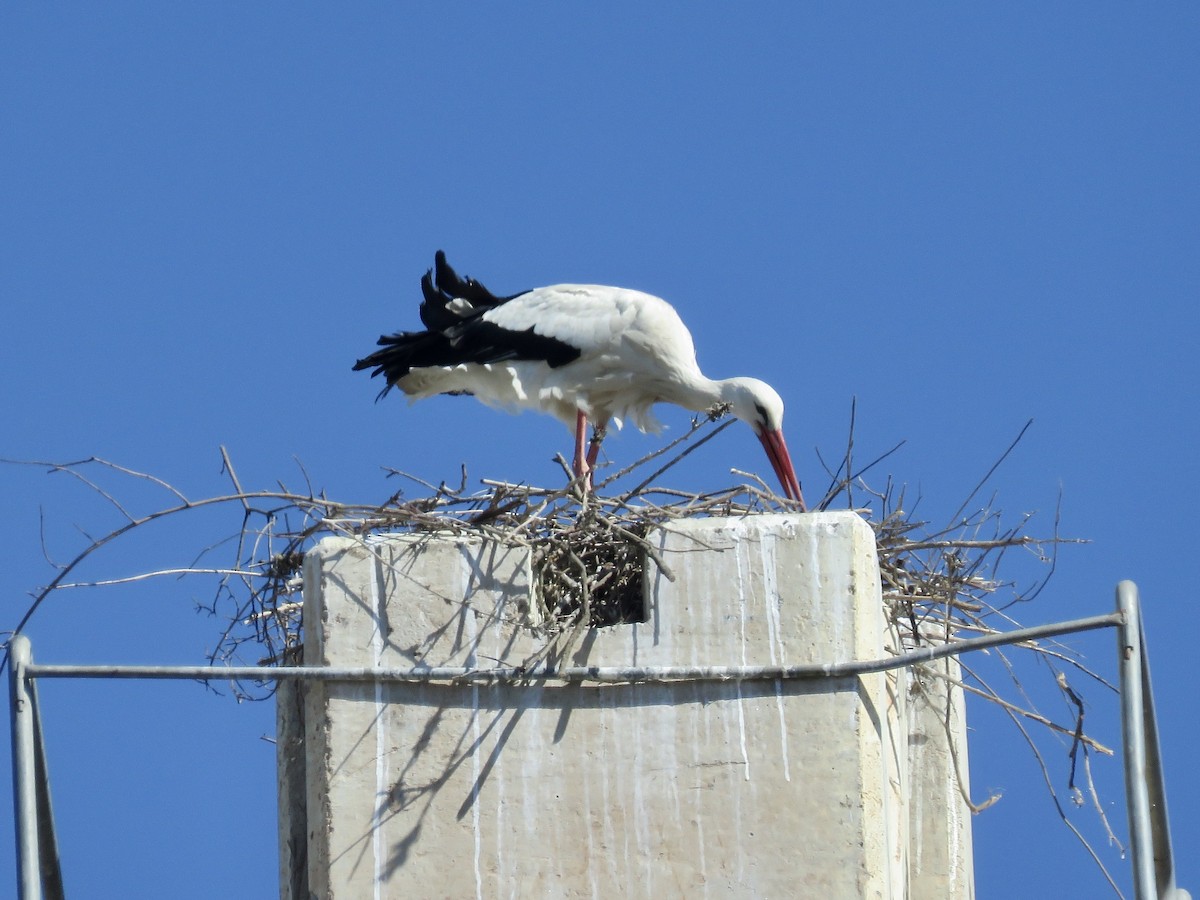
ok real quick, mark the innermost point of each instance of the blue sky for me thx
(964, 217)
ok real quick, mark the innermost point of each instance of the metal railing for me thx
(39, 873)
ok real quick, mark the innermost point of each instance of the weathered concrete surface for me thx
(940, 848)
(752, 789)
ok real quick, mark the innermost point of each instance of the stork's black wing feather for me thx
(475, 341)
(434, 314)
(442, 285)
(449, 283)
(460, 334)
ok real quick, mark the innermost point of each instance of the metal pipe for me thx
(609, 674)
(29, 884)
(1137, 801)
(1150, 847)
(49, 863)
(1145, 792)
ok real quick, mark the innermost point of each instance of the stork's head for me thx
(757, 404)
(754, 402)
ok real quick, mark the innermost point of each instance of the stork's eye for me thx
(762, 413)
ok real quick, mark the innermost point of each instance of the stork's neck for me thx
(694, 391)
(754, 402)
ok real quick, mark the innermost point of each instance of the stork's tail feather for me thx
(401, 353)
(452, 286)
(434, 314)
(450, 298)
(453, 311)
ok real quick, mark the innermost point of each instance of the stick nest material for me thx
(591, 555)
(589, 549)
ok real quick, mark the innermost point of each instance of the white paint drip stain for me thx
(739, 555)
(499, 780)
(593, 860)
(697, 807)
(775, 643)
(470, 628)
(741, 592)
(609, 837)
(703, 712)
(382, 790)
(643, 769)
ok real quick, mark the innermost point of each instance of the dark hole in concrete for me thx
(593, 568)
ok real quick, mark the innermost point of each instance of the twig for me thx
(995, 466)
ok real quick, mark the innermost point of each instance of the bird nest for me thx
(591, 554)
(590, 549)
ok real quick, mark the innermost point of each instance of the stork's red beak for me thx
(781, 462)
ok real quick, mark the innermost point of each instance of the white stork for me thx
(576, 351)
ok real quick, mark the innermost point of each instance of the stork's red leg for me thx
(598, 434)
(581, 423)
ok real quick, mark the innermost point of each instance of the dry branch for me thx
(589, 553)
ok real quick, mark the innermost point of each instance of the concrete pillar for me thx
(746, 789)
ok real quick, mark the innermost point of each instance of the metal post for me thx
(29, 883)
(1145, 793)
(1150, 842)
(48, 862)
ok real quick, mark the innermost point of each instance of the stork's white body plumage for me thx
(634, 351)
(575, 351)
